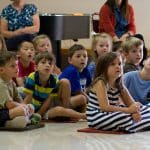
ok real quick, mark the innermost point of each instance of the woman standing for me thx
(19, 21)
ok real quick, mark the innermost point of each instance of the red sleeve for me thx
(107, 20)
(131, 20)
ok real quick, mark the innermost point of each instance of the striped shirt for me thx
(118, 120)
(40, 93)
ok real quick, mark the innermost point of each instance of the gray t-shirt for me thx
(8, 92)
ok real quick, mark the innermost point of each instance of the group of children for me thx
(35, 74)
(98, 86)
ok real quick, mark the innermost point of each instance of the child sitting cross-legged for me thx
(13, 114)
(78, 75)
(104, 110)
(41, 87)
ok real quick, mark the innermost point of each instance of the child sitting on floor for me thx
(41, 86)
(104, 111)
(12, 112)
(78, 75)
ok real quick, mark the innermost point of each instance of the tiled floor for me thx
(64, 136)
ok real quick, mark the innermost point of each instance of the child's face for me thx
(79, 59)
(26, 51)
(45, 67)
(135, 55)
(10, 70)
(44, 45)
(115, 69)
(103, 47)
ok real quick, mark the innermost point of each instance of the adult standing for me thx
(19, 21)
(117, 19)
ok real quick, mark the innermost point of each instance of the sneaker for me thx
(18, 122)
(35, 118)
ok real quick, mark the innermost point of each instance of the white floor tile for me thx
(64, 136)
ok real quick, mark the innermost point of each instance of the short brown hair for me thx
(44, 55)
(74, 48)
(6, 57)
(130, 42)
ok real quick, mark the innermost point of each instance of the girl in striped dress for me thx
(110, 105)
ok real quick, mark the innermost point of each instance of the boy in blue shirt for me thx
(138, 83)
(78, 75)
(41, 86)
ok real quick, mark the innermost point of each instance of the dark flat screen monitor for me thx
(63, 27)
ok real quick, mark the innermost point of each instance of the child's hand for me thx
(134, 108)
(138, 104)
(136, 116)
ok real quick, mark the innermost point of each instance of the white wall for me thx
(90, 6)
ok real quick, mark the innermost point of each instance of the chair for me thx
(95, 22)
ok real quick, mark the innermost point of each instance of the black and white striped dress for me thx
(114, 121)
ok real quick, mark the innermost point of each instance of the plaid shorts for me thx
(4, 116)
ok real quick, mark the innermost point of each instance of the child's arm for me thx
(101, 92)
(20, 81)
(11, 104)
(45, 106)
(28, 99)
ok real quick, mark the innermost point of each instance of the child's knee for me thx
(59, 109)
(83, 99)
(65, 82)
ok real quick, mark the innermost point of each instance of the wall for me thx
(88, 7)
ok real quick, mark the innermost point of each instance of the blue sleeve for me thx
(127, 80)
(73, 76)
